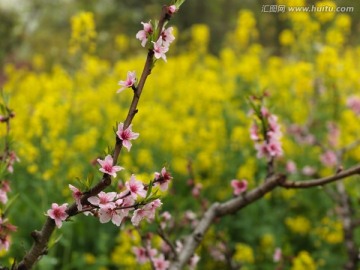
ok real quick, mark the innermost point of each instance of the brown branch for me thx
(218, 210)
(231, 206)
(43, 236)
(166, 239)
(322, 181)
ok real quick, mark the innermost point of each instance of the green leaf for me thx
(89, 180)
(53, 242)
(178, 3)
(148, 193)
(11, 201)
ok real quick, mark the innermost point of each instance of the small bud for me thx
(172, 9)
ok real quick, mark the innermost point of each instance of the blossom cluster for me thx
(353, 103)
(8, 159)
(144, 255)
(113, 206)
(159, 44)
(267, 136)
(159, 260)
(5, 229)
(149, 33)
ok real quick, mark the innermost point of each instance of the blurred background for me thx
(26, 26)
(60, 65)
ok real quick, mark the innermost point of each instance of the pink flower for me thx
(308, 170)
(196, 190)
(271, 149)
(270, 145)
(194, 261)
(4, 243)
(218, 252)
(329, 159)
(11, 161)
(277, 255)
(172, 9)
(6, 227)
(5, 186)
(274, 148)
(111, 213)
(178, 246)
(58, 213)
(107, 166)
(254, 132)
(135, 187)
(162, 179)
(291, 166)
(151, 208)
(239, 186)
(147, 212)
(120, 185)
(142, 254)
(167, 37)
(154, 204)
(3, 196)
(262, 150)
(126, 135)
(77, 196)
(103, 199)
(301, 134)
(190, 215)
(165, 217)
(160, 263)
(274, 128)
(128, 201)
(264, 112)
(160, 49)
(129, 82)
(143, 35)
(353, 103)
(139, 214)
(333, 134)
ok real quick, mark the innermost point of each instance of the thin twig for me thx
(322, 181)
(166, 239)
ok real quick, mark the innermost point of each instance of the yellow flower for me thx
(122, 42)
(243, 253)
(335, 37)
(200, 36)
(287, 37)
(90, 258)
(330, 231)
(246, 31)
(267, 242)
(299, 225)
(325, 10)
(83, 33)
(343, 22)
(303, 261)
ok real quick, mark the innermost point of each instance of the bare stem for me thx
(322, 181)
